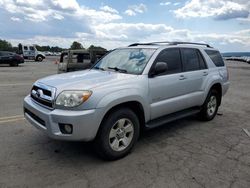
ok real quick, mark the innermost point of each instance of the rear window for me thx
(215, 56)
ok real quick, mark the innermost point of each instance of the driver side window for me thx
(172, 58)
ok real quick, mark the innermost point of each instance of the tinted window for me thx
(80, 58)
(190, 59)
(215, 57)
(32, 48)
(202, 62)
(172, 58)
(25, 48)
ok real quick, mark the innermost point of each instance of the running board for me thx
(172, 117)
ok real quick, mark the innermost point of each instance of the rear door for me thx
(195, 73)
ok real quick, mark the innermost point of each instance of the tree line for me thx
(7, 46)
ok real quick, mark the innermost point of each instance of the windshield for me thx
(129, 60)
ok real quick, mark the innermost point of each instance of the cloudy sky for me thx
(112, 23)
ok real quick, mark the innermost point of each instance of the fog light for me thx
(66, 128)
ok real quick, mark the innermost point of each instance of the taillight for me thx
(18, 57)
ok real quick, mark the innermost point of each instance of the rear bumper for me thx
(85, 123)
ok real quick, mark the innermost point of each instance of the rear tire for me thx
(14, 64)
(118, 134)
(210, 107)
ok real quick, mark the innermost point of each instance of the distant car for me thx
(47, 53)
(76, 60)
(10, 58)
(57, 53)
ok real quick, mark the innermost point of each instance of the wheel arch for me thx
(218, 88)
(133, 105)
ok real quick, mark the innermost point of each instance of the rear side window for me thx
(190, 59)
(172, 58)
(202, 61)
(80, 58)
(215, 56)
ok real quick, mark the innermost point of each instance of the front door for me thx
(167, 90)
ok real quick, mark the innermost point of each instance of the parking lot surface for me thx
(184, 153)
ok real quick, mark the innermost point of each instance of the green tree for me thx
(99, 48)
(76, 45)
(5, 45)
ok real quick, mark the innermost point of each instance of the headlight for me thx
(72, 98)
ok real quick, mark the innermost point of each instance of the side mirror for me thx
(160, 67)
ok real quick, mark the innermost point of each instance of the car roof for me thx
(83, 51)
(6, 51)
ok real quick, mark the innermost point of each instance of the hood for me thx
(41, 53)
(86, 79)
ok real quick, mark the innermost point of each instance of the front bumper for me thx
(85, 123)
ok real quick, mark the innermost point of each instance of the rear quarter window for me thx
(216, 57)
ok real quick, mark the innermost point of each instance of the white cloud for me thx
(130, 12)
(176, 4)
(134, 9)
(109, 9)
(112, 35)
(16, 19)
(66, 4)
(165, 3)
(45, 10)
(222, 10)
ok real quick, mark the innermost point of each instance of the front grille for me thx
(42, 101)
(35, 117)
(43, 95)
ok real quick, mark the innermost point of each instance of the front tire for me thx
(210, 107)
(118, 134)
(39, 58)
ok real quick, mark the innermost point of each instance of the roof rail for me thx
(195, 43)
(137, 44)
(170, 43)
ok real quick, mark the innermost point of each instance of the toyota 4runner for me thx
(144, 85)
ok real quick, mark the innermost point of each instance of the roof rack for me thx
(170, 43)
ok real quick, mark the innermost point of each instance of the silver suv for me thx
(133, 88)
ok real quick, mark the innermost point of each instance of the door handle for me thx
(205, 73)
(182, 77)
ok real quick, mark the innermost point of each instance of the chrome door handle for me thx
(205, 73)
(182, 77)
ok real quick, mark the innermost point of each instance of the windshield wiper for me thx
(99, 68)
(118, 69)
